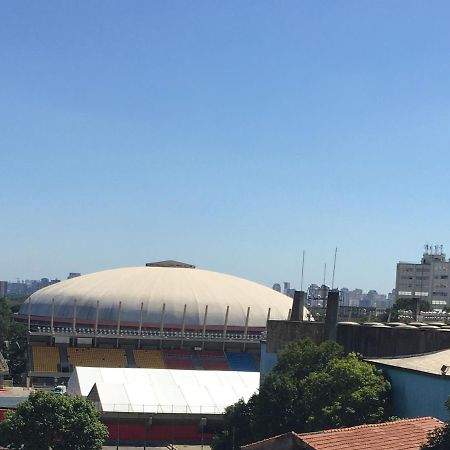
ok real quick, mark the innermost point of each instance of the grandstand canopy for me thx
(162, 390)
(155, 286)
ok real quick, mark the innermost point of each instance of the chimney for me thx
(331, 317)
(298, 305)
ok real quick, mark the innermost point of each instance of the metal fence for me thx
(159, 409)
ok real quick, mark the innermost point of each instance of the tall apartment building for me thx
(3, 288)
(427, 280)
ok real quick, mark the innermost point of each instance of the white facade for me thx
(428, 280)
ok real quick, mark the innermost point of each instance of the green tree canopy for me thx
(13, 340)
(439, 439)
(312, 387)
(58, 422)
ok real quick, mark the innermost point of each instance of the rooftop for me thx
(428, 363)
(399, 435)
(406, 434)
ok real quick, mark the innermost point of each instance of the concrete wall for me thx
(367, 340)
(281, 332)
(418, 395)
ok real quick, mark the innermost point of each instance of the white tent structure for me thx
(162, 391)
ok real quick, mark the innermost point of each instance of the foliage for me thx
(349, 392)
(311, 388)
(405, 304)
(13, 340)
(58, 422)
(439, 439)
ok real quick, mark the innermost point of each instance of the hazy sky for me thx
(228, 134)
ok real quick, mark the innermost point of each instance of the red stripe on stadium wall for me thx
(157, 432)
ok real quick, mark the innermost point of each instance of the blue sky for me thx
(232, 135)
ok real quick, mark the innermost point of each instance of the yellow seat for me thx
(45, 359)
(97, 357)
(149, 359)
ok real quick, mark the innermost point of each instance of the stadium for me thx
(159, 318)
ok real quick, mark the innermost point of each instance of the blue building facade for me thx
(418, 394)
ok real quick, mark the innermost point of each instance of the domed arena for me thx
(165, 315)
(163, 338)
(153, 294)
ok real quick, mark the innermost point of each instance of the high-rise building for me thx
(74, 275)
(427, 280)
(3, 288)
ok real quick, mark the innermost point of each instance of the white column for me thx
(161, 328)
(96, 317)
(74, 325)
(119, 317)
(53, 315)
(184, 321)
(204, 321)
(225, 324)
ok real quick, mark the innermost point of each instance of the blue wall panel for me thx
(417, 394)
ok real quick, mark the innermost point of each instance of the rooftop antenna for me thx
(334, 268)
(324, 273)
(303, 266)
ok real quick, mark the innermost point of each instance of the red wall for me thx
(157, 432)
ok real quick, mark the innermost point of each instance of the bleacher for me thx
(48, 359)
(211, 360)
(149, 359)
(97, 357)
(45, 359)
(178, 359)
(244, 362)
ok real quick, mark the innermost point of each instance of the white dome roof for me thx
(155, 286)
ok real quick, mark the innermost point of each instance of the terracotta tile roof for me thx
(406, 434)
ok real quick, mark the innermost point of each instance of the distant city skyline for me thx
(233, 135)
(295, 281)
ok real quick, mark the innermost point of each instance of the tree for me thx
(311, 388)
(13, 340)
(439, 439)
(347, 393)
(405, 304)
(58, 422)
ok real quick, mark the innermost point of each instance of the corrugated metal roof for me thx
(427, 363)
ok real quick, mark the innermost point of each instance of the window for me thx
(404, 293)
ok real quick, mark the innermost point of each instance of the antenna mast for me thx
(334, 268)
(303, 266)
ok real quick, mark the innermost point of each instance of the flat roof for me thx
(429, 363)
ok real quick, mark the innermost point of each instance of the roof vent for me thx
(170, 263)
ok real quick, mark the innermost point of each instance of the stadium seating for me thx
(178, 359)
(97, 357)
(211, 360)
(187, 363)
(149, 359)
(45, 359)
(244, 362)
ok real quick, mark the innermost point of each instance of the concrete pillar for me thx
(298, 305)
(331, 317)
